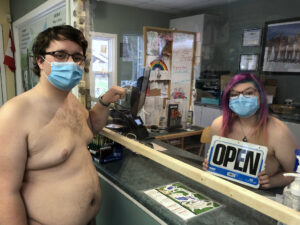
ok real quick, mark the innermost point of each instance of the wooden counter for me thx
(181, 137)
(247, 197)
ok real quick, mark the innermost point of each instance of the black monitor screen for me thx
(138, 98)
(143, 87)
(138, 121)
(135, 95)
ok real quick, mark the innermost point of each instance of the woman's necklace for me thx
(245, 136)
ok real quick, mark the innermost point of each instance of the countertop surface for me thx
(135, 174)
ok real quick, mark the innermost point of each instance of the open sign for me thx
(236, 160)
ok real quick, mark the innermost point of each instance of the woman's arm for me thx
(282, 141)
(215, 129)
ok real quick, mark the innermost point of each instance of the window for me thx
(133, 51)
(103, 68)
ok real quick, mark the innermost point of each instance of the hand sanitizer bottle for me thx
(291, 193)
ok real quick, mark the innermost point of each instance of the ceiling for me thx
(169, 6)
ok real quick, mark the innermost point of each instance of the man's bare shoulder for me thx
(15, 107)
(13, 120)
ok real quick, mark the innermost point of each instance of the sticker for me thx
(236, 160)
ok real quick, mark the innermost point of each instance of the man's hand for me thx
(113, 94)
(99, 113)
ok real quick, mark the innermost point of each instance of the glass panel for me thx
(133, 52)
(100, 55)
(101, 84)
(102, 63)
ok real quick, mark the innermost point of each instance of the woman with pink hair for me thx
(245, 117)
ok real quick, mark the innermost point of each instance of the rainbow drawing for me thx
(158, 63)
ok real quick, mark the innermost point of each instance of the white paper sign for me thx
(236, 160)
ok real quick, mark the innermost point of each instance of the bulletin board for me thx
(25, 29)
(170, 54)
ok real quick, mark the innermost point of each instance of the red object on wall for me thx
(9, 58)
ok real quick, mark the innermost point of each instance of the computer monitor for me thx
(135, 96)
(142, 86)
(125, 112)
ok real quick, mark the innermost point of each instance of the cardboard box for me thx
(270, 82)
(270, 90)
(225, 79)
(270, 86)
(202, 93)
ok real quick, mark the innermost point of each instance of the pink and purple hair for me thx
(229, 116)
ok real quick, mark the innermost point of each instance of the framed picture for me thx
(249, 62)
(251, 37)
(281, 46)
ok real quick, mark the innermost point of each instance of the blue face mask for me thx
(65, 75)
(244, 106)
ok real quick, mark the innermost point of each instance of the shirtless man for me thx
(245, 118)
(46, 172)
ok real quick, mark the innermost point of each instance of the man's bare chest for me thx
(54, 139)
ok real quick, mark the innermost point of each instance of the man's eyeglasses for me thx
(62, 56)
(249, 92)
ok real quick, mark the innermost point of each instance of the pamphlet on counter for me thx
(182, 201)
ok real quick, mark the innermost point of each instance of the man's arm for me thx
(13, 156)
(99, 113)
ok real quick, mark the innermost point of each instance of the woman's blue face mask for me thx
(244, 106)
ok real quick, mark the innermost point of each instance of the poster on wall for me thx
(27, 34)
(281, 50)
(182, 63)
(25, 29)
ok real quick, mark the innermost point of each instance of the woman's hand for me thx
(205, 164)
(264, 180)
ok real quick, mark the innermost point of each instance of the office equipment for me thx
(125, 112)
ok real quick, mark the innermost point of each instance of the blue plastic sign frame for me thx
(236, 160)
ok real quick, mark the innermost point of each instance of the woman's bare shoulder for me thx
(277, 129)
(216, 126)
(275, 123)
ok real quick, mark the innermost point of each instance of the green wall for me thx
(20, 8)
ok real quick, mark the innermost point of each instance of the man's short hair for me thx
(58, 33)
